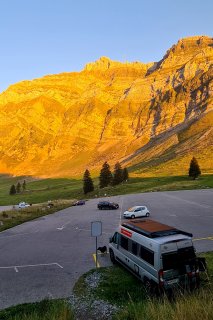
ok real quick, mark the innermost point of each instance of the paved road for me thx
(5, 208)
(44, 257)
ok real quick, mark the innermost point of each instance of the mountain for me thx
(152, 117)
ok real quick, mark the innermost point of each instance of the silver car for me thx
(136, 212)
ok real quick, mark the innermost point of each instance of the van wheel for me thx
(148, 214)
(133, 216)
(112, 256)
(149, 286)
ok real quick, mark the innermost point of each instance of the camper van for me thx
(161, 256)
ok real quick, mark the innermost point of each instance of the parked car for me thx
(137, 211)
(23, 205)
(107, 205)
(79, 203)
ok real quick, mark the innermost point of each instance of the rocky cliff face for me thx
(153, 117)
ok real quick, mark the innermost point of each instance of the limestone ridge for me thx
(153, 117)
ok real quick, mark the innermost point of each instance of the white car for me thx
(137, 211)
(23, 205)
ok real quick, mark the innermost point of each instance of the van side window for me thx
(134, 248)
(124, 243)
(147, 255)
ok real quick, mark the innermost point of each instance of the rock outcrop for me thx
(153, 117)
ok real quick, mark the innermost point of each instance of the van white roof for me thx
(176, 237)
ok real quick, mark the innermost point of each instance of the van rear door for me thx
(175, 256)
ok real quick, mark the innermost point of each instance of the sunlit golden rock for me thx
(153, 117)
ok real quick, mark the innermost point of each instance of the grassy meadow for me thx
(38, 191)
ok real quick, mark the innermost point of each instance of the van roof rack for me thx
(153, 229)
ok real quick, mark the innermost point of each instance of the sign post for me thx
(96, 231)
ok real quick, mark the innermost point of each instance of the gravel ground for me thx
(86, 307)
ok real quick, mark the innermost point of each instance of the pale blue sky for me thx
(40, 37)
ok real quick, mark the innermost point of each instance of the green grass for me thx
(38, 191)
(116, 286)
(50, 189)
(12, 218)
(44, 310)
(194, 306)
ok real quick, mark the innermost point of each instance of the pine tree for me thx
(194, 169)
(24, 185)
(105, 175)
(87, 182)
(125, 174)
(18, 187)
(118, 174)
(12, 190)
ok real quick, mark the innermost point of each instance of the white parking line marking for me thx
(59, 265)
(64, 225)
(188, 201)
(122, 200)
(32, 265)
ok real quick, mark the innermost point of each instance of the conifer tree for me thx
(18, 187)
(24, 185)
(12, 190)
(118, 174)
(125, 174)
(87, 182)
(105, 177)
(194, 169)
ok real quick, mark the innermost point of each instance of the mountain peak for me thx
(102, 63)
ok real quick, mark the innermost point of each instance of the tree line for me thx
(18, 188)
(106, 177)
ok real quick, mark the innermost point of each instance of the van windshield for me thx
(177, 259)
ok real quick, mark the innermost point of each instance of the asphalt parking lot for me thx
(44, 258)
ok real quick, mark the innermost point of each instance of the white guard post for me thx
(96, 231)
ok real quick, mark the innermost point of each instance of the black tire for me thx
(132, 216)
(112, 256)
(147, 285)
(148, 214)
(150, 287)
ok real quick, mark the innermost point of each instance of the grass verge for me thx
(15, 217)
(44, 310)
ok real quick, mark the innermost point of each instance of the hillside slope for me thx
(153, 117)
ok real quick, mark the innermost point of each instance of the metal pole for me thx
(96, 238)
